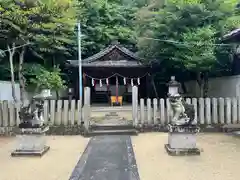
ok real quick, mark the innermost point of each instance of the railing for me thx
(56, 112)
(151, 112)
(208, 111)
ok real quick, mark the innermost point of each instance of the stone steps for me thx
(231, 127)
(130, 132)
(110, 127)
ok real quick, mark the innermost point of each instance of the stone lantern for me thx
(173, 87)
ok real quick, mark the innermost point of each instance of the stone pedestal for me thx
(31, 142)
(182, 140)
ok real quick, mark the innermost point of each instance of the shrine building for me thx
(111, 74)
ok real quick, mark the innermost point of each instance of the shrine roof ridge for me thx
(108, 50)
(232, 34)
(96, 61)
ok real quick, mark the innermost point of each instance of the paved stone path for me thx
(107, 158)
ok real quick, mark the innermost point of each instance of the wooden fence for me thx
(56, 112)
(150, 111)
(208, 111)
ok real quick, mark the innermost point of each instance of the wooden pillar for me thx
(86, 108)
(135, 105)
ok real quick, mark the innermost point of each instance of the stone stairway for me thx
(111, 124)
(100, 98)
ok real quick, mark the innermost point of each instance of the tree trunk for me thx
(183, 86)
(11, 52)
(205, 86)
(202, 79)
(57, 94)
(21, 77)
(200, 82)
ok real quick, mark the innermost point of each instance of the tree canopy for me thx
(183, 36)
(186, 35)
(105, 21)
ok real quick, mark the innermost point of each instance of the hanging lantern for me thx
(131, 82)
(100, 83)
(138, 81)
(93, 83)
(124, 81)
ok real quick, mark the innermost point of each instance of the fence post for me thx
(52, 112)
(194, 103)
(1, 113)
(149, 111)
(72, 112)
(238, 106)
(214, 111)
(58, 119)
(169, 111)
(188, 100)
(135, 105)
(155, 106)
(228, 111)
(142, 111)
(221, 111)
(45, 111)
(65, 112)
(87, 108)
(136, 117)
(234, 110)
(79, 116)
(87, 96)
(12, 120)
(208, 110)
(201, 110)
(5, 113)
(162, 111)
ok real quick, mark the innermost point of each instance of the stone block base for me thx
(31, 142)
(30, 152)
(181, 152)
(182, 140)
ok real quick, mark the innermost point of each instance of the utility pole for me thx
(80, 64)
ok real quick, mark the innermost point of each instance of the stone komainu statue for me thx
(189, 111)
(31, 115)
(183, 113)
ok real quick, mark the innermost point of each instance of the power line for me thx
(183, 43)
(15, 47)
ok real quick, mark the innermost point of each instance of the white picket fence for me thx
(56, 112)
(150, 111)
(208, 111)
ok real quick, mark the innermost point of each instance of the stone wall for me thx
(228, 86)
(53, 130)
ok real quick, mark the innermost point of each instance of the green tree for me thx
(183, 34)
(49, 79)
(105, 21)
(45, 28)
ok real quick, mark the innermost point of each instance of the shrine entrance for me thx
(111, 74)
(110, 119)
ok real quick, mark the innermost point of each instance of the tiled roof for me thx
(232, 34)
(94, 61)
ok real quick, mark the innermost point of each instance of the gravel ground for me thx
(57, 164)
(220, 159)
